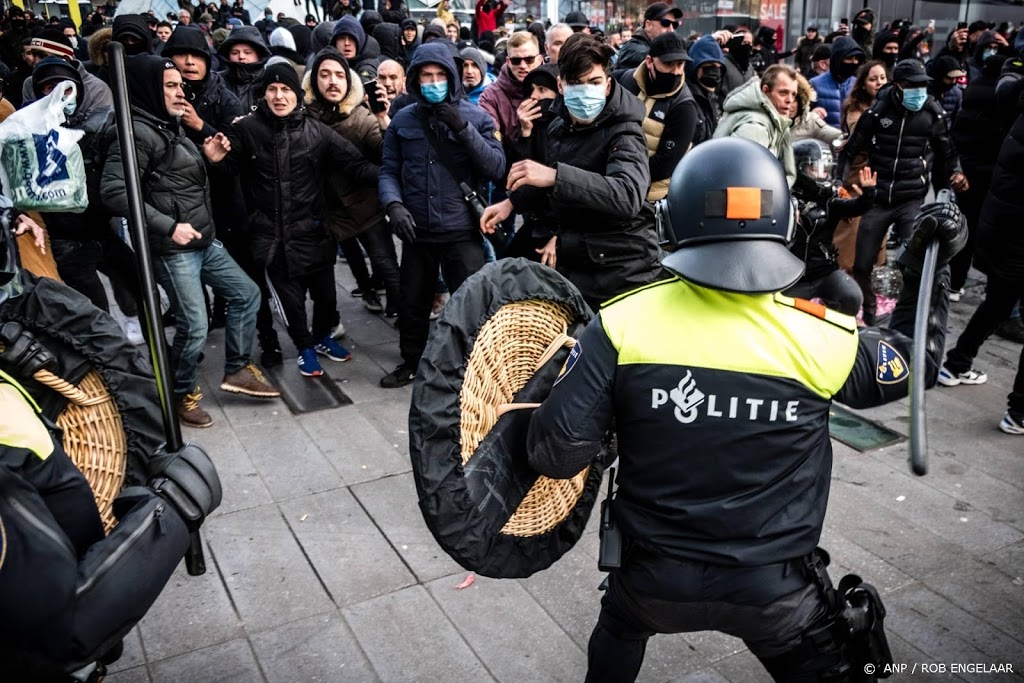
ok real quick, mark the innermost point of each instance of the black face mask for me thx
(546, 115)
(660, 82)
(889, 59)
(846, 70)
(710, 77)
(861, 34)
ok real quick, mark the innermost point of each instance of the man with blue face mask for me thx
(589, 184)
(433, 148)
(903, 135)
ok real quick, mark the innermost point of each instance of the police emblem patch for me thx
(574, 355)
(890, 367)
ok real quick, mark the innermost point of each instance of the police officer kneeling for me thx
(720, 391)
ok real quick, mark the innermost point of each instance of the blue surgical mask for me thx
(988, 53)
(434, 92)
(585, 101)
(913, 98)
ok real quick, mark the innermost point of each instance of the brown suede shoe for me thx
(189, 412)
(251, 382)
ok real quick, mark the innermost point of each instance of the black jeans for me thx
(291, 293)
(1000, 298)
(873, 226)
(380, 247)
(420, 261)
(768, 607)
(80, 263)
(970, 203)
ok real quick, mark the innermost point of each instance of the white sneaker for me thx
(133, 330)
(957, 295)
(1011, 424)
(972, 376)
(339, 331)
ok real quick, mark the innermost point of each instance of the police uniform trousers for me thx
(768, 607)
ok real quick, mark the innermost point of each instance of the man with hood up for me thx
(704, 75)
(591, 189)
(282, 155)
(887, 49)
(282, 44)
(834, 87)
(389, 37)
(431, 146)
(351, 41)
(989, 44)
(182, 236)
(334, 96)
(244, 55)
(210, 108)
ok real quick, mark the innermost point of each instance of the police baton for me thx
(918, 414)
(195, 563)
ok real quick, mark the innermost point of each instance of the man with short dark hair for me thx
(659, 18)
(591, 184)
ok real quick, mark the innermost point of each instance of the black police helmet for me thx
(814, 166)
(728, 214)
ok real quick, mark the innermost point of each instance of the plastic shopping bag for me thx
(41, 165)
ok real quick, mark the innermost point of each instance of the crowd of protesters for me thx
(268, 149)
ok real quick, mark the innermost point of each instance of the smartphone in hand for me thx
(376, 106)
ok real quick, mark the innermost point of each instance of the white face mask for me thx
(74, 41)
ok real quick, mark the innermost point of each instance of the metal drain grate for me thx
(307, 394)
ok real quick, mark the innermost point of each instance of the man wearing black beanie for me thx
(282, 155)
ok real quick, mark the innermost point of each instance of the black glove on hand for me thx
(21, 354)
(942, 222)
(402, 223)
(448, 114)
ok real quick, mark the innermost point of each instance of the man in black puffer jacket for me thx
(244, 54)
(179, 221)
(591, 187)
(283, 156)
(902, 134)
(210, 109)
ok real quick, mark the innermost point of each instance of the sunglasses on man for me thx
(516, 61)
(669, 23)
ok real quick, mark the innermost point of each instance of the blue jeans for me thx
(183, 276)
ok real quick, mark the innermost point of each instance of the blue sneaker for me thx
(309, 364)
(333, 350)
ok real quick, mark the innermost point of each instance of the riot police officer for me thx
(720, 391)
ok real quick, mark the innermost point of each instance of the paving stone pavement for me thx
(320, 567)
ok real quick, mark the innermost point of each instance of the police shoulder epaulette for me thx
(641, 288)
(847, 322)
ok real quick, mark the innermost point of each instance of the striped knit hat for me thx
(54, 43)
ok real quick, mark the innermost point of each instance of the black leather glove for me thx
(189, 481)
(939, 221)
(21, 354)
(402, 223)
(449, 114)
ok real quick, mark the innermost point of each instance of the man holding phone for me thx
(956, 45)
